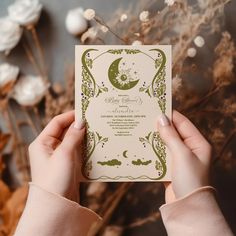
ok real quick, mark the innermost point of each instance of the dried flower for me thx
(228, 161)
(203, 3)
(96, 189)
(137, 43)
(91, 33)
(199, 41)
(25, 12)
(12, 208)
(224, 64)
(113, 230)
(191, 52)
(170, 2)
(104, 29)
(217, 135)
(123, 17)
(229, 106)
(4, 140)
(75, 22)
(57, 88)
(10, 35)
(8, 74)
(176, 84)
(89, 14)
(29, 90)
(144, 16)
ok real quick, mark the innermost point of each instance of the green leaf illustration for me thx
(139, 162)
(115, 51)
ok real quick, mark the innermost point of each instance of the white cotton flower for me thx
(10, 34)
(104, 29)
(199, 41)
(91, 33)
(89, 14)
(191, 52)
(123, 17)
(144, 16)
(137, 43)
(25, 12)
(8, 74)
(29, 90)
(170, 2)
(75, 22)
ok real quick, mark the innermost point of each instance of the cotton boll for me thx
(191, 52)
(29, 90)
(75, 22)
(199, 41)
(25, 12)
(8, 74)
(144, 16)
(10, 34)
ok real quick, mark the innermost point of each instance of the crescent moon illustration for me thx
(125, 154)
(120, 79)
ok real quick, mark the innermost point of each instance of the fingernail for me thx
(163, 120)
(79, 124)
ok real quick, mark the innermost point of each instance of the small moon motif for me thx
(125, 154)
(119, 80)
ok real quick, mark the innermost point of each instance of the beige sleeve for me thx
(48, 214)
(195, 214)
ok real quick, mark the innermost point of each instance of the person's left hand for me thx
(54, 156)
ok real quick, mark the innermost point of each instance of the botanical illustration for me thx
(153, 139)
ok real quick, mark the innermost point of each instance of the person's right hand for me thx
(190, 156)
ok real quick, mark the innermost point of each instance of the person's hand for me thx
(190, 156)
(54, 156)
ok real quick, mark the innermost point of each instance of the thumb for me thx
(170, 136)
(74, 136)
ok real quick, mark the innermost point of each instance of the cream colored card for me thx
(120, 91)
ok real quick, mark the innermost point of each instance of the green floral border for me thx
(156, 89)
(155, 141)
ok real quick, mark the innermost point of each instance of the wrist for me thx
(69, 194)
(184, 186)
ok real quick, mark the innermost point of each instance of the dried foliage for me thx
(212, 110)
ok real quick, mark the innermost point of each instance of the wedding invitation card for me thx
(120, 91)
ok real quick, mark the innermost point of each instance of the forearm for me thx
(47, 214)
(195, 214)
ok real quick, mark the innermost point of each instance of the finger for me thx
(169, 193)
(56, 126)
(64, 132)
(171, 137)
(191, 136)
(73, 138)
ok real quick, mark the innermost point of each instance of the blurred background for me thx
(37, 83)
